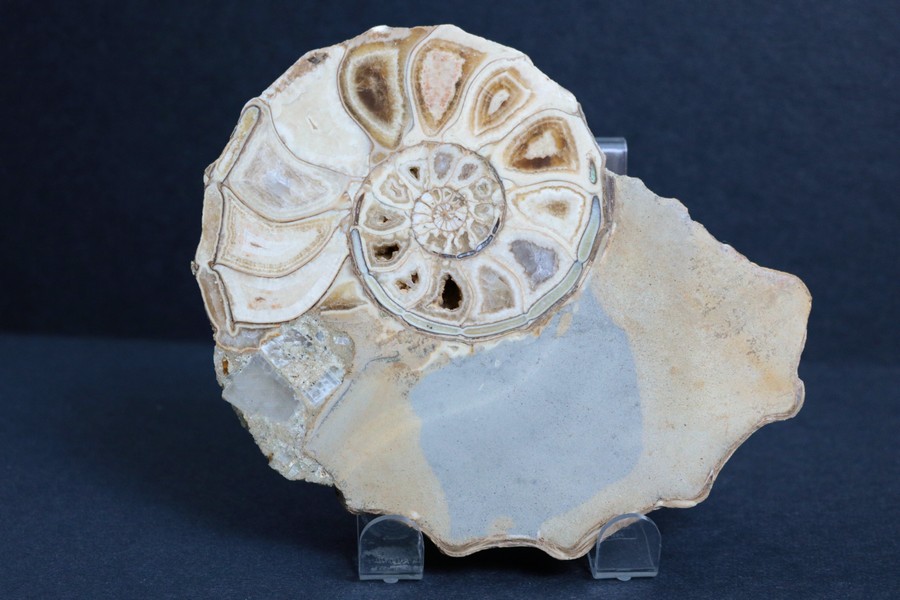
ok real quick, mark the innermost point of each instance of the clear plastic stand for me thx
(616, 151)
(391, 547)
(628, 546)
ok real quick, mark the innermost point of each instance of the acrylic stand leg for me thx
(616, 151)
(390, 548)
(628, 546)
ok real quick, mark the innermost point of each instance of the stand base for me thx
(390, 548)
(627, 547)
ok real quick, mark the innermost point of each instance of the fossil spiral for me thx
(459, 180)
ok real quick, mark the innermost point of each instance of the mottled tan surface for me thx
(716, 339)
(412, 201)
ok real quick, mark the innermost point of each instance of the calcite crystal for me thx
(427, 291)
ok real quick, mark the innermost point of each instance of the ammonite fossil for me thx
(427, 290)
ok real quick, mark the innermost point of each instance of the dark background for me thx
(124, 474)
(776, 123)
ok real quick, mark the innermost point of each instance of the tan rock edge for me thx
(427, 291)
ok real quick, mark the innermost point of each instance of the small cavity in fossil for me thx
(451, 296)
(386, 252)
